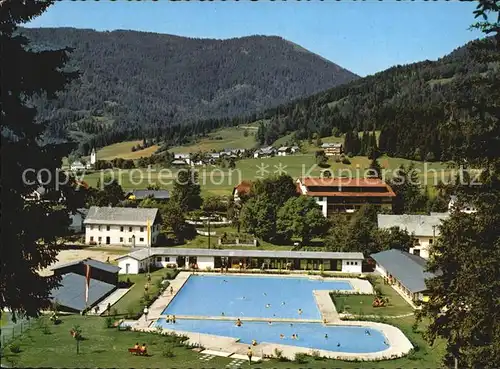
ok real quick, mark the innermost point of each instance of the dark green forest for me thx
(409, 104)
(136, 84)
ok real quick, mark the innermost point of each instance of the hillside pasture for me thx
(124, 150)
(227, 138)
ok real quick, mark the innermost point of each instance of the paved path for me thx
(326, 307)
(355, 316)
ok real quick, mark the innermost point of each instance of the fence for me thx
(11, 331)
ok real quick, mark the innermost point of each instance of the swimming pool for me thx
(257, 297)
(352, 339)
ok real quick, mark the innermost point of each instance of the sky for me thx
(364, 37)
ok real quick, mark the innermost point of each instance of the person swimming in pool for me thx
(294, 336)
(238, 323)
(326, 336)
(367, 332)
(270, 323)
(222, 314)
(300, 311)
(268, 306)
(338, 344)
(282, 336)
(291, 324)
(265, 294)
(283, 303)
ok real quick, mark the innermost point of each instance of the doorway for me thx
(108, 240)
(127, 267)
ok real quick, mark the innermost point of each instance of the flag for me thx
(87, 283)
(149, 233)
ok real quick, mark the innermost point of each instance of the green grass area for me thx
(226, 138)
(218, 181)
(124, 150)
(362, 304)
(4, 319)
(107, 347)
(130, 304)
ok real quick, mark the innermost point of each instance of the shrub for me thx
(316, 355)
(15, 348)
(108, 322)
(167, 351)
(278, 353)
(301, 358)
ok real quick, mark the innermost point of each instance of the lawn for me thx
(226, 138)
(130, 304)
(124, 150)
(107, 348)
(217, 181)
(362, 304)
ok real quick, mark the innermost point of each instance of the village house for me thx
(182, 159)
(332, 149)
(138, 195)
(241, 190)
(122, 226)
(423, 228)
(77, 166)
(283, 151)
(265, 152)
(464, 208)
(210, 259)
(405, 272)
(294, 149)
(335, 195)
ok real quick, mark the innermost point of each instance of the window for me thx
(416, 252)
(430, 241)
(355, 263)
(91, 227)
(130, 240)
(167, 258)
(98, 228)
(121, 229)
(91, 238)
(141, 239)
(121, 239)
(158, 259)
(142, 229)
(108, 228)
(99, 239)
(130, 229)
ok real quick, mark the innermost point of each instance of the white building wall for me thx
(120, 235)
(76, 222)
(352, 266)
(381, 270)
(133, 266)
(281, 153)
(424, 243)
(205, 262)
(322, 201)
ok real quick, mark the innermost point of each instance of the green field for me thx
(218, 181)
(362, 304)
(226, 138)
(124, 150)
(107, 348)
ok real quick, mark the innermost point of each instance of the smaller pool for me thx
(311, 335)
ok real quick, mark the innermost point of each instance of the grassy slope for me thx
(230, 138)
(124, 150)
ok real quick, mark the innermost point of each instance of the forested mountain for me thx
(409, 104)
(135, 82)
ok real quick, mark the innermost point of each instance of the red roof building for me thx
(242, 189)
(346, 194)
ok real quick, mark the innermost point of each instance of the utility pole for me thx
(208, 231)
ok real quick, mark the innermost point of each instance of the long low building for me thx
(138, 261)
(405, 271)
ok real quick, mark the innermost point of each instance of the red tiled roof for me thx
(352, 194)
(342, 182)
(243, 187)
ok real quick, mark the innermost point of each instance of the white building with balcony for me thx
(122, 226)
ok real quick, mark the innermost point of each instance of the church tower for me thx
(93, 157)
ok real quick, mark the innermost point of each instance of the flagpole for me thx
(149, 246)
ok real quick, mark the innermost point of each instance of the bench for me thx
(136, 351)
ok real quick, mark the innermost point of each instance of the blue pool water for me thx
(258, 297)
(311, 335)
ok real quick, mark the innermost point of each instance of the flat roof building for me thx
(137, 261)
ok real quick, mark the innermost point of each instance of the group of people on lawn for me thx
(141, 350)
